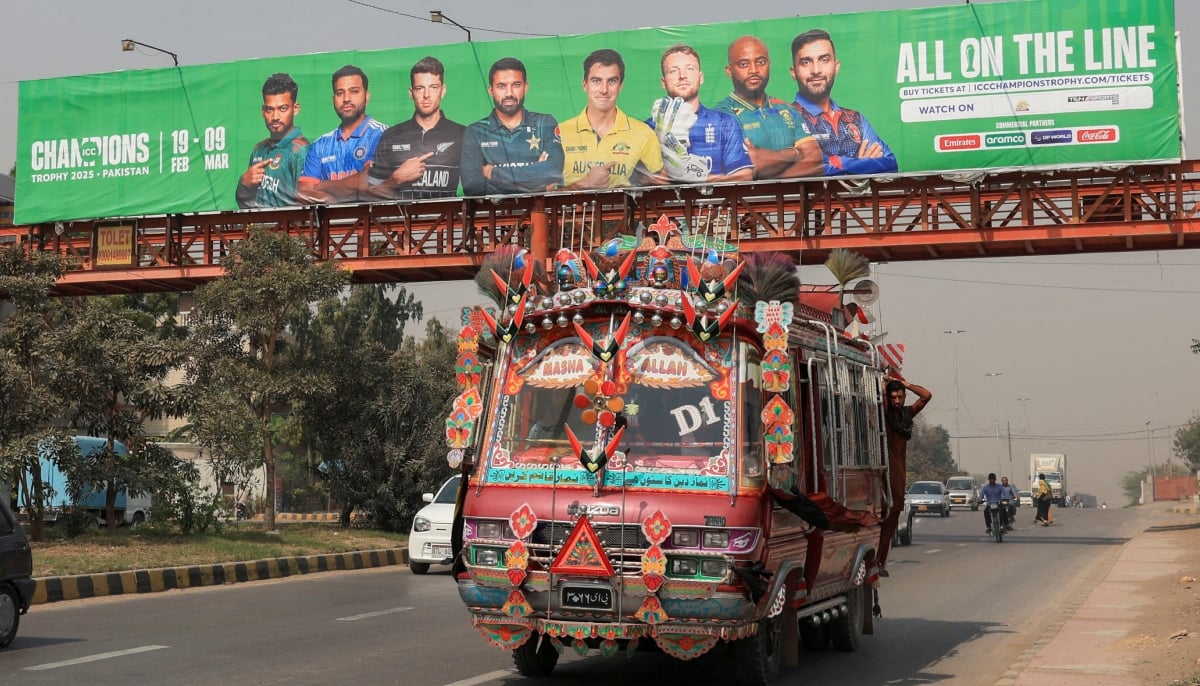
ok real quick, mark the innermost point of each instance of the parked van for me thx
(964, 492)
(132, 510)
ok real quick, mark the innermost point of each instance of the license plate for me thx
(922, 508)
(441, 551)
(586, 597)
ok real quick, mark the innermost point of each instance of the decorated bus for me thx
(664, 444)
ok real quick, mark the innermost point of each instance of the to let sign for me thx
(114, 246)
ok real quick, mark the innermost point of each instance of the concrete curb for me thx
(304, 517)
(52, 589)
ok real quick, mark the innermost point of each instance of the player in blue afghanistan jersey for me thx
(277, 161)
(698, 144)
(420, 157)
(512, 150)
(777, 138)
(847, 139)
(336, 159)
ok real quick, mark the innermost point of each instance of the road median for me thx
(57, 588)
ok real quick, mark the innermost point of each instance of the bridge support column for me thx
(539, 235)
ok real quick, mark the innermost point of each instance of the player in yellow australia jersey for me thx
(603, 147)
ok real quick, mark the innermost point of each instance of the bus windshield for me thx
(677, 433)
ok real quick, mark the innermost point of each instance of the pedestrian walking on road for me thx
(1043, 498)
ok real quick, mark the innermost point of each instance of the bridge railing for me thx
(900, 218)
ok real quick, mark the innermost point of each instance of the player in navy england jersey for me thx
(698, 144)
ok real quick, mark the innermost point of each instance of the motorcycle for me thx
(996, 519)
(239, 511)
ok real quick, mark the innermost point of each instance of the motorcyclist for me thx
(1011, 494)
(993, 492)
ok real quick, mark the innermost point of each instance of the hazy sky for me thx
(1097, 343)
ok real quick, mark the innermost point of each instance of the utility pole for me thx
(957, 434)
(1011, 476)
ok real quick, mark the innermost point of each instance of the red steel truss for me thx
(1105, 209)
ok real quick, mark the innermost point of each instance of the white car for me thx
(904, 529)
(1024, 499)
(928, 497)
(429, 540)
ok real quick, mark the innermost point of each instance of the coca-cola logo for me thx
(1105, 135)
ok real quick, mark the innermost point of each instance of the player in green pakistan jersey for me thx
(511, 150)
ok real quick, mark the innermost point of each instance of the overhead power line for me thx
(1042, 285)
(430, 20)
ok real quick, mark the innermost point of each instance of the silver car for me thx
(928, 497)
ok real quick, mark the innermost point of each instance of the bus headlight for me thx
(487, 557)
(685, 538)
(714, 568)
(489, 529)
(684, 566)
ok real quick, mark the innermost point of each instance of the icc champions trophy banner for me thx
(1034, 84)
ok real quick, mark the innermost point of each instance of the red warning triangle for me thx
(582, 554)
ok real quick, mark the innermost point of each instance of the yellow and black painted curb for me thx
(55, 588)
(306, 517)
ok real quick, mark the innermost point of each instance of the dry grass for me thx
(97, 552)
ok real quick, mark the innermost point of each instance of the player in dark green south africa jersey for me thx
(779, 142)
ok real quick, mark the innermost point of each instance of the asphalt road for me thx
(958, 609)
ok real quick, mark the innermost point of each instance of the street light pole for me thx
(1150, 460)
(437, 17)
(996, 420)
(1025, 414)
(957, 434)
(128, 45)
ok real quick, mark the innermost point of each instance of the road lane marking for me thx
(380, 613)
(933, 550)
(484, 678)
(93, 658)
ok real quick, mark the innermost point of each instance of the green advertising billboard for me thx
(1031, 84)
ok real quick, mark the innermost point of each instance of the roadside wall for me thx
(1175, 488)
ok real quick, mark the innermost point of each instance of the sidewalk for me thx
(1086, 647)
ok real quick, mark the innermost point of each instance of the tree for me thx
(114, 366)
(1187, 443)
(29, 389)
(1132, 485)
(423, 388)
(243, 363)
(929, 456)
(348, 343)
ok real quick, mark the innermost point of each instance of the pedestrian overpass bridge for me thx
(903, 218)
